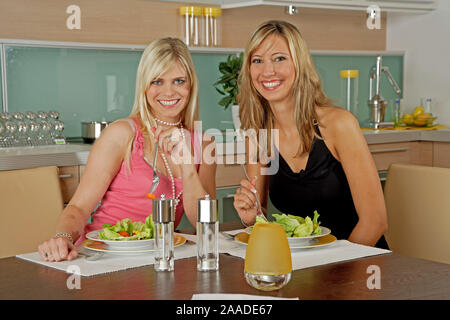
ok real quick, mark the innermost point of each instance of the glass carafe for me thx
(268, 263)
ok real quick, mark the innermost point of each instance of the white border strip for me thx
(356, 53)
(139, 47)
(104, 46)
(3, 78)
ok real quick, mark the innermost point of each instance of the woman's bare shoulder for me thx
(337, 120)
(119, 131)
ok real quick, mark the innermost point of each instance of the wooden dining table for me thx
(400, 277)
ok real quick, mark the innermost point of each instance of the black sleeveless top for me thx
(321, 186)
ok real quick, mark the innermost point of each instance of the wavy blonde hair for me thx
(254, 109)
(159, 56)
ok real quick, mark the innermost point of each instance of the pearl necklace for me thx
(174, 124)
(166, 164)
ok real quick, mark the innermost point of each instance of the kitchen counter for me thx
(40, 156)
(391, 136)
(77, 154)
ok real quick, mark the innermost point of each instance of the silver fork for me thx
(155, 180)
(259, 209)
(91, 257)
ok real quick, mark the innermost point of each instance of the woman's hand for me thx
(57, 249)
(171, 143)
(245, 201)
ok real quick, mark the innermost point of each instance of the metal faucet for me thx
(377, 104)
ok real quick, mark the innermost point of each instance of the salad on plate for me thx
(295, 226)
(126, 230)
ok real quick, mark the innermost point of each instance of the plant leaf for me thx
(227, 85)
(220, 91)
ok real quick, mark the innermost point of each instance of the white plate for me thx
(301, 241)
(100, 246)
(122, 244)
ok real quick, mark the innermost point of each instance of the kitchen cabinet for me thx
(411, 6)
(227, 212)
(229, 175)
(81, 170)
(69, 178)
(136, 22)
(415, 152)
(441, 154)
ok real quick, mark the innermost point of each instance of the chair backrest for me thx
(418, 208)
(30, 203)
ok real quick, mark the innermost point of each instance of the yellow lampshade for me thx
(268, 251)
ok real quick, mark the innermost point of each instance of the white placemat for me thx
(340, 250)
(234, 296)
(110, 262)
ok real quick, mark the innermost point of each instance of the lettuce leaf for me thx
(287, 223)
(143, 230)
(296, 226)
(316, 224)
(305, 229)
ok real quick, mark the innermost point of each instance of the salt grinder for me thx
(163, 217)
(207, 234)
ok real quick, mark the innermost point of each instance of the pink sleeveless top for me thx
(126, 195)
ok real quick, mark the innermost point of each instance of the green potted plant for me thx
(227, 84)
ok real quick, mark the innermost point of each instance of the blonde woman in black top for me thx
(324, 161)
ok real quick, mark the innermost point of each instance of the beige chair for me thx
(30, 203)
(418, 208)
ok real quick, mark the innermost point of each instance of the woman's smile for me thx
(271, 85)
(169, 103)
(169, 94)
(272, 70)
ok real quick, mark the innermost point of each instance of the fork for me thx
(91, 257)
(258, 204)
(155, 180)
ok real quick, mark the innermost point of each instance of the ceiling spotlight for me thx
(291, 10)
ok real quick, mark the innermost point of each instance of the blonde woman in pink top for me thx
(118, 172)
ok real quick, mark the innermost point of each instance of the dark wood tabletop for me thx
(400, 278)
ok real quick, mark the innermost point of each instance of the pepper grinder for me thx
(207, 234)
(163, 217)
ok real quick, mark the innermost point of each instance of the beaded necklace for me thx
(166, 163)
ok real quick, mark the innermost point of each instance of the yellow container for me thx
(349, 90)
(212, 36)
(190, 24)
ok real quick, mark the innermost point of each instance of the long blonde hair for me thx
(159, 56)
(254, 109)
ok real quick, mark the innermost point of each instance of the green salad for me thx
(295, 226)
(125, 230)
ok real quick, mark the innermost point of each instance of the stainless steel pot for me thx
(91, 130)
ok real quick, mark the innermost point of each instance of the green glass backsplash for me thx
(329, 67)
(88, 84)
(83, 85)
(1, 88)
